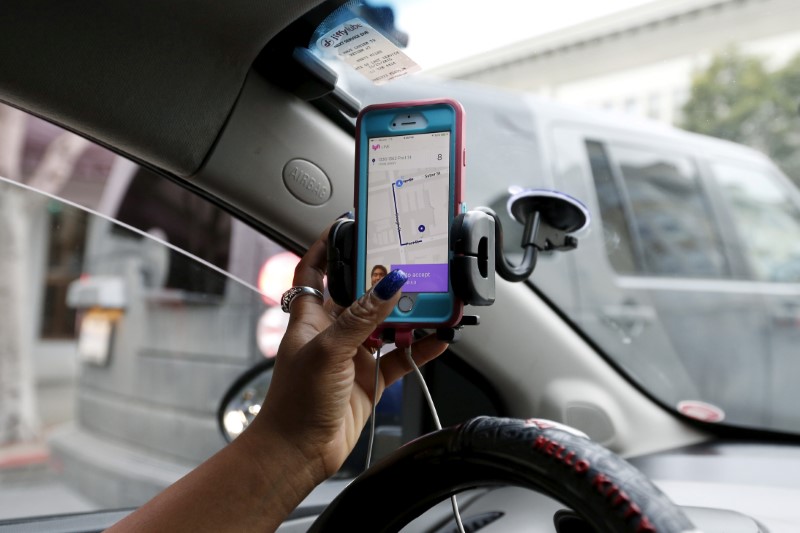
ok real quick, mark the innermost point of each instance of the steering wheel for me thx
(603, 489)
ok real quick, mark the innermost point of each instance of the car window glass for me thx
(118, 340)
(110, 357)
(97, 350)
(670, 213)
(616, 235)
(767, 220)
(155, 205)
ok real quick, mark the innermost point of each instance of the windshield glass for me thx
(676, 123)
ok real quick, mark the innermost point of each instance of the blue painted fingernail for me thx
(390, 284)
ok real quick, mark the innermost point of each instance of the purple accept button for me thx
(425, 277)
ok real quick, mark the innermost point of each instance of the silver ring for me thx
(294, 292)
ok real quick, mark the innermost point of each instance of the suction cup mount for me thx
(549, 217)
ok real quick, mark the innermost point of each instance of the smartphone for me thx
(410, 160)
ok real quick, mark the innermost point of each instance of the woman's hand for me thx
(319, 400)
(321, 393)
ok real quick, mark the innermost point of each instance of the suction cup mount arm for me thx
(502, 265)
(548, 218)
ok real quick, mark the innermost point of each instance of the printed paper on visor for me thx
(366, 50)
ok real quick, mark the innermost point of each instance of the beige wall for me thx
(640, 60)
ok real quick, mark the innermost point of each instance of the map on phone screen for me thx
(408, 201)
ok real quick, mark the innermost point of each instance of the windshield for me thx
(676, 123)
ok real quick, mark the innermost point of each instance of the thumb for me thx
(355, 323)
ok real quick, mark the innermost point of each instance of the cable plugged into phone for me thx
(400, 337)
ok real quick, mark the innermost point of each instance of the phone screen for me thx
(408, 210)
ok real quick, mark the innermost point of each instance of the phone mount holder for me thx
(549, 219)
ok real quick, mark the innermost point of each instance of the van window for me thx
(616, 234)
(63, 265)
(189, 222)
(671, 214)
(766, 219)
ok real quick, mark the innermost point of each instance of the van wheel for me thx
(603, 489)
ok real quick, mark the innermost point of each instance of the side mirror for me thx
(242, 402)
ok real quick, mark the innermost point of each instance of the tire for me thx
(601, 487)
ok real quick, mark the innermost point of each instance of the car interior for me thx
(214, 109)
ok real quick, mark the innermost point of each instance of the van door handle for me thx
(786, 315)
(629, 319)
(630, 312)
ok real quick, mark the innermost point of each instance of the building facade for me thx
(622, 62)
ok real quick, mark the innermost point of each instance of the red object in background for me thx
(269, 333)
(705, 412)
(276, 276)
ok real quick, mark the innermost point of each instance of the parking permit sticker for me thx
(366, 50)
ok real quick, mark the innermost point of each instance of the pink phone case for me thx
(458, 171)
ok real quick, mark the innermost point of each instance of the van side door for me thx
(619, 316)
(658, 289)
(764, 211)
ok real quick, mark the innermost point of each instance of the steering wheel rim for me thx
(601, 487)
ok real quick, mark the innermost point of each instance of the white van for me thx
(688, 273)
(689, 276)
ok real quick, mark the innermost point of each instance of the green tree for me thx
(738, 98)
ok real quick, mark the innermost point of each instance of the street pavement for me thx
(30, 484)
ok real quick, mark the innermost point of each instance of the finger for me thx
(333, 309)
(310, 272)
(356, 322)
(311, 269)
(394, 364)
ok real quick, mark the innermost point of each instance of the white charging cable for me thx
(435, 415)
(374, 405)
(431, 406)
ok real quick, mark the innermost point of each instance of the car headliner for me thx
(153, 79)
